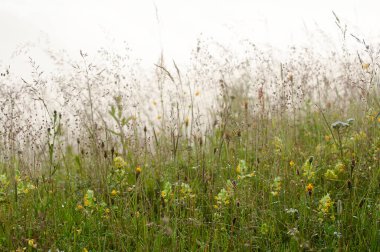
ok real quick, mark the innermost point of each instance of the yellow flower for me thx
(327, 138)
(138, 169)
(275, 193)
(86, 202)
(163, 194)
(340, 167)
(119, 162)
(291, 163)
(107, 211)
(32, 243)
(79, 207)
(114, 192)
(89, 199)
(365, 66)
(310, 188)
(238, 169)
(330, 174)
(325, 204)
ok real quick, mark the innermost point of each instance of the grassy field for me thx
(266, 168)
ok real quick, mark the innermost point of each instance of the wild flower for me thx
(339, 125)
(309, 189)
(225, 194)
(307, 168)
(167, 192)
(276, 186)
(4, 183)
(114, 193)
(293, 231)
(119, 162)
(89, 199)
(24, 186)
(186, 191)
(278, 145)
(325, 207)
(241, 168)
(359, 136)
(79, 207)
(291, 163)
(328, 138)
(249, 175)
(138, 170)
(330, 174)
(106, 213)
(365, 66)
(32, 243)
(223, 197)
(264, 229)
(340, 167)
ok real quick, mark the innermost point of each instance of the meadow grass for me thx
(296, 173)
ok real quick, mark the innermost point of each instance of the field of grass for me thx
(265, 156)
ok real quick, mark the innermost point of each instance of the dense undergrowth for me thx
(263, 156)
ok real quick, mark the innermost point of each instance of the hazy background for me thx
(29, 27)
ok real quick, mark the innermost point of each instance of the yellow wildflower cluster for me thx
(292, 163)
(167, 192)
(276, 186)
(186, 192)
(359, 136)
(24, 187)
(340, 167)
(119, 162)
(89, 199)
(278, 145)
(325, 207)
(307, 168)
(225, 195)
(331, 175)
(4, 183)
(242, 170)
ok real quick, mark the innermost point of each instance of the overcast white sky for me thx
(85, 24)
